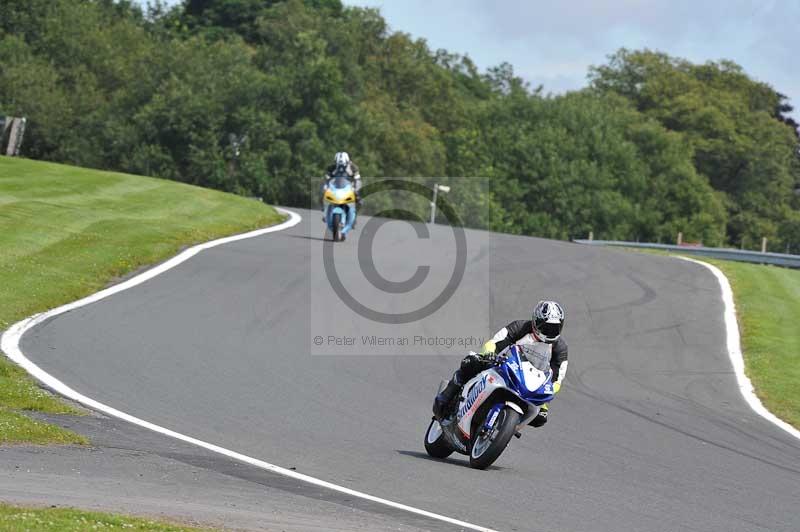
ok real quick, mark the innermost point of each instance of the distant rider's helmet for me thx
(341, 160)
(548, 320)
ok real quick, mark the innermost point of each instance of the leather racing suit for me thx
(519, 332)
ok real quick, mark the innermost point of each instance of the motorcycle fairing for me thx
(473, 395)
(531, 384)
(340, 198)
(515, 377)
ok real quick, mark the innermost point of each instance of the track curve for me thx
(649, 433)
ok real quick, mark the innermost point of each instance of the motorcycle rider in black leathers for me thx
(342, 165)
(544, 327)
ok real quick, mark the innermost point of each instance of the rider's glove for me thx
(556, 387)
(489, 348)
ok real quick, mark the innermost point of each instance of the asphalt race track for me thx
(649, 433)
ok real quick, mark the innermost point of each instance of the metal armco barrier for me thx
(776, 259)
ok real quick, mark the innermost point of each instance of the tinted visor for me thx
(548, 330)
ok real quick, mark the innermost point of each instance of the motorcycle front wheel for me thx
(337, 228)
(490, 444)
(436, 443)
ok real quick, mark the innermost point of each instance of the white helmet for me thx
(548, 320)
(341, 159)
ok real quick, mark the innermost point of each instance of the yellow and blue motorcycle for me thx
(339, 198)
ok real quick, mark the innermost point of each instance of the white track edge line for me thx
(735, 351)
(9, 343)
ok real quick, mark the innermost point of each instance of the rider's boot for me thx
(541, 417)
(445, 398)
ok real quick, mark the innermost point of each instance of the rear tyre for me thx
(435, 441)
(489, 445)
(337, 229)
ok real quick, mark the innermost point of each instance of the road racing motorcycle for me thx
(493, 406)
(339, 198)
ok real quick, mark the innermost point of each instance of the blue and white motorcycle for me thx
(494, 406)
(339, 198)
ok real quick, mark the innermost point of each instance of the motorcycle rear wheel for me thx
(489, 445)
(436, 443)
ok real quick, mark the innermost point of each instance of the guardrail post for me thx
(433, 203)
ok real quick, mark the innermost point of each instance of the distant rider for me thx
(544, 327)
(342, 166)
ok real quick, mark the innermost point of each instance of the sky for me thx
(553, 42)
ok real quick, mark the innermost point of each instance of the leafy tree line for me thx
(654, 145)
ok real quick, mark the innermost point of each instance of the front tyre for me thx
(435, 441)
(337, 227)
(490, 444)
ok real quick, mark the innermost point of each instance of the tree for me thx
(741, 139)
(655, 146)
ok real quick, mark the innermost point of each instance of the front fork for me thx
(348, 220)
(491, 416)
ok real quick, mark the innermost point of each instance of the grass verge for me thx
(66, 232)
(14, 518)
(768, 311)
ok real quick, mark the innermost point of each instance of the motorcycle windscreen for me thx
(533, 368)
(538, 355)
(341, 181)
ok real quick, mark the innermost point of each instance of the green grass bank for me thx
(15, 518)
(768, 310)
(66, 232)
